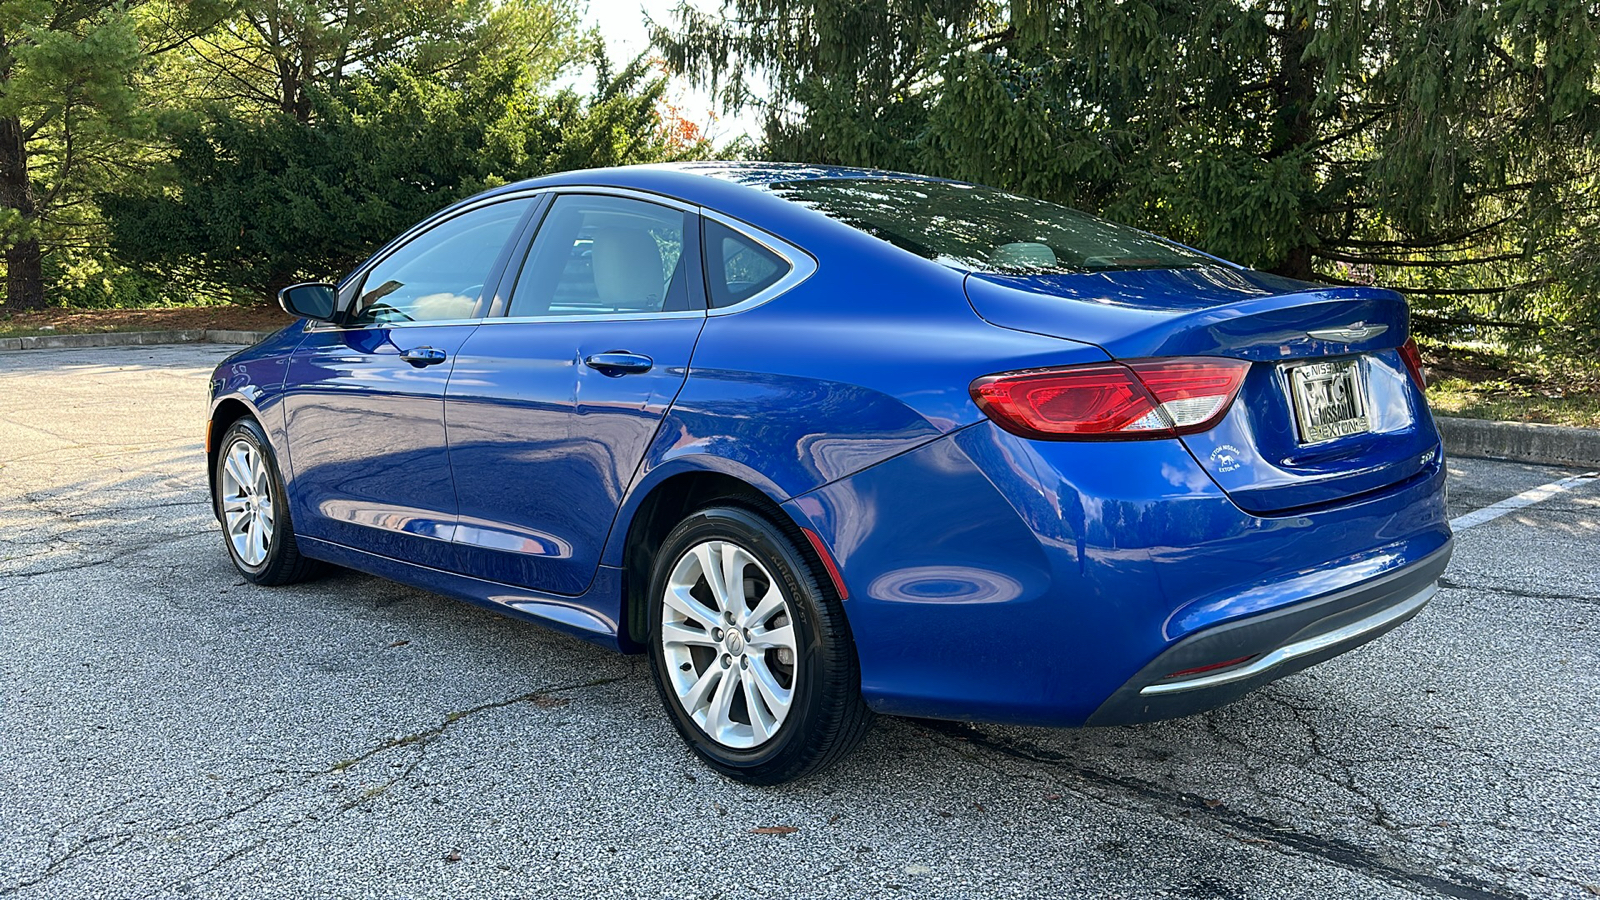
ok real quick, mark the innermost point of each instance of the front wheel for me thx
(254, 512)
(753, 658)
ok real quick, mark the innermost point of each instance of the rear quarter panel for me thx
(993, 578)
(870, 357)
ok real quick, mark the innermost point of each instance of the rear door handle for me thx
(423, 356)
(616, 363)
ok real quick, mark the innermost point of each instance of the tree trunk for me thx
(1296, 264)
(1295, 89)
(24, 271)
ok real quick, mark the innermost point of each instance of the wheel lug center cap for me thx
(735, 642)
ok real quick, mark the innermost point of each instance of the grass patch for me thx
(11, 330)
(1485, 382)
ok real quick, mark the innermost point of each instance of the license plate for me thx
(1330, 399)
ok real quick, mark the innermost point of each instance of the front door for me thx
(365, 406)
(552, 408)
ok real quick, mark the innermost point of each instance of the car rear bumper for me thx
(1222, 663)
(995, 579)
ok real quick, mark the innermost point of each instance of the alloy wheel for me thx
(247, 504)
(728, 640)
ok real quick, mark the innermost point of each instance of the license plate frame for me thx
(1329, 399)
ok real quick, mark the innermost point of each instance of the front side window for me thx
(984, 230)
(601, 255)
(439, 274)
(738, 268)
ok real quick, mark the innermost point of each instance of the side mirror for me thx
(312, 300)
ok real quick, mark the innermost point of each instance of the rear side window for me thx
(985, 230)
(738, 268)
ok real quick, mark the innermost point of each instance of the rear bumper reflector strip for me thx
(1375, 622)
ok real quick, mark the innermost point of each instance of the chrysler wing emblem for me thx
(1349, 334)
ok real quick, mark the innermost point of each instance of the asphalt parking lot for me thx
(170, 731)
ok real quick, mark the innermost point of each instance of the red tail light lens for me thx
(1153, 398)
(1413, 358)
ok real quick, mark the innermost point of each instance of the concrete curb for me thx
(132, 339)
(233, 336)
(1556, 445)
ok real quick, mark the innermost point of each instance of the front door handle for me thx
(616, 363)
(423, 356)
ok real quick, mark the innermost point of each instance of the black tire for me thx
(283, 563)
(826, 717)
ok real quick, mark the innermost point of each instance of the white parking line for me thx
(1526, 498)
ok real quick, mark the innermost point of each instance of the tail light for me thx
(1154, 398)
(1413, 358)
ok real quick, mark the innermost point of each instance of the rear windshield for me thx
(985, 230)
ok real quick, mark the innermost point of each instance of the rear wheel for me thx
(253, 510)
(752, 656)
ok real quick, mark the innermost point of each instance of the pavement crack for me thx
(260, 834)
(419, 740)
(1517, 592)
(1255, 830)
(427, 735)
(103, 843)
(120, 555)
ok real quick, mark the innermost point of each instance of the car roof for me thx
(734, 188)
(761, 174)
(697, 181)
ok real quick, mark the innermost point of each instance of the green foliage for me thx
(67, 102)
(1451, 150)
(90, 280)
(254, 203)
(273, 55)
(226, 146)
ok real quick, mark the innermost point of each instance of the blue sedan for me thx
(832, 442)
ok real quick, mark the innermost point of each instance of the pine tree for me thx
(1449, 149)
(66, 100)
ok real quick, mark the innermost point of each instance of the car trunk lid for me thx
(1311, 345)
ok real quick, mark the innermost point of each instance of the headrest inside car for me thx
(627, 269)
(1024, 255)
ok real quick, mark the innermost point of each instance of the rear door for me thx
(364, 401)
(553, 405)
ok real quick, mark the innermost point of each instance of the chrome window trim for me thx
(373, 326)
(626, 193)
(597, 317)
(802, 265)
